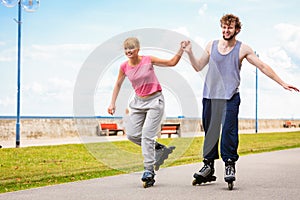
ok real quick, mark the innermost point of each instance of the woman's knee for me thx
(134, 139)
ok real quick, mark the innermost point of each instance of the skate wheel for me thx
(144, 184)
(230, 185)
(213, 178)
(147, 184)
(172, 148)
(194, 182)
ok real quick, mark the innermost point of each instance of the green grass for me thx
(23, 168)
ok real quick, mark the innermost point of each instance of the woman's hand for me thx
(111, 109)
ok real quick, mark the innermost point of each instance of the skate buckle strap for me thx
(149, 173)
(229, 170)
(205, 167)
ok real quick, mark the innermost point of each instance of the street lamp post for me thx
(29, 6)
(256, 98)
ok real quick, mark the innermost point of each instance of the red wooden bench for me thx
(289, 124)
(108, 129)
(170, 129)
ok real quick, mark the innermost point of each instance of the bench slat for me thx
(170, 129)
(109, 127)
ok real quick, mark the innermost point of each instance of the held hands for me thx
(182, 45)
(181, 49)
(186, 46)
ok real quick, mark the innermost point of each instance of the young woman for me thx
(147, 107)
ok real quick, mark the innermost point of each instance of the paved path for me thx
(274, 175)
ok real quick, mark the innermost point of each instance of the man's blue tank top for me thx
(223, 75)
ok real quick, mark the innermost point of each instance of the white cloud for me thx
(183, 30)
(203, 9)
(52, 70)
(48, 97)
(7, 101)
(289, 35)
(8, 54)
(42, 52)
(5, 59)
(35, 88)
(277, 58)
(61, 84)
(51, 87)
(201, 41)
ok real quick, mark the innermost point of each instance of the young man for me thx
(221, 97)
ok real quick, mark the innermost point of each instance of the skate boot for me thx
(206, 173)
(161, 154)
(229, 175)
(148, 178)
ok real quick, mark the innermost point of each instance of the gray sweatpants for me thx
(144, 123)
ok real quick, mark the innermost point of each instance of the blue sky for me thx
(60, 35)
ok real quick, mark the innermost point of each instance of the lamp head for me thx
(30, 5)
(10, 3)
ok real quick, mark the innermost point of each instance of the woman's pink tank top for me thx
(142, 77)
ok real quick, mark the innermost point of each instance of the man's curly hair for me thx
(229, 18)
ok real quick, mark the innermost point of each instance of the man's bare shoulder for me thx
(208, 46)
(245, 50)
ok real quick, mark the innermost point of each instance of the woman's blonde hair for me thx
(131, 43)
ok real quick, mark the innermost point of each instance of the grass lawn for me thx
(29, 167)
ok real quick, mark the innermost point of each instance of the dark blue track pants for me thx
(221, 115)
